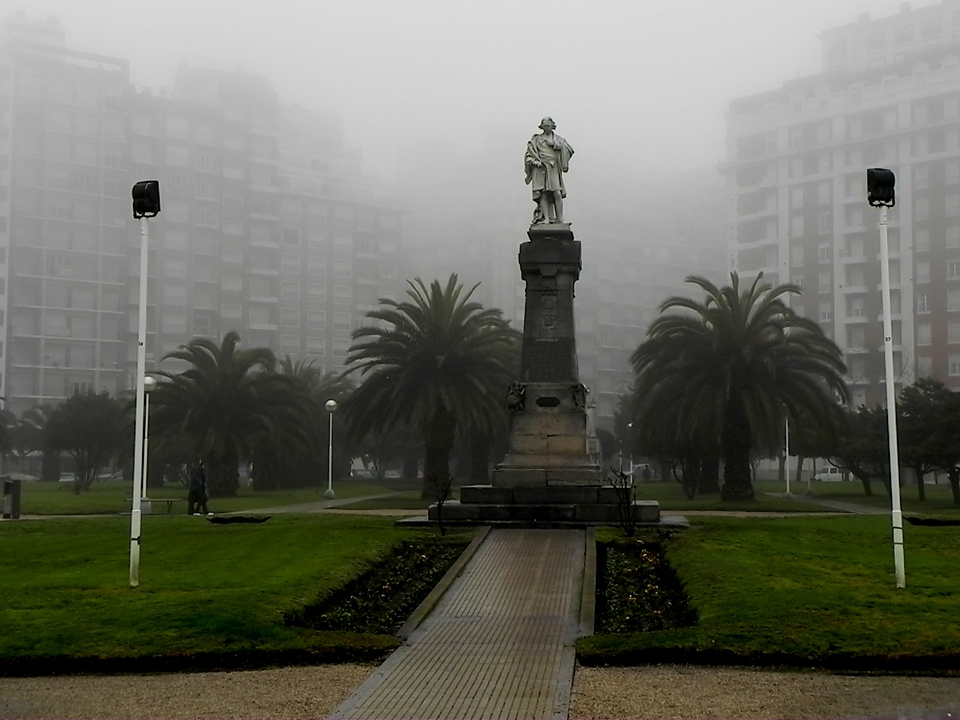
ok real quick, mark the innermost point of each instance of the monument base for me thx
(527, 506)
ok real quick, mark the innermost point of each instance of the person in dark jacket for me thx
(197, 495)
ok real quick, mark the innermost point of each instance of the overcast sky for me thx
(645, 81)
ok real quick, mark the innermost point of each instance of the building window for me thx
(341, 321)
(921, 177)
(290, 263)
(342, 269)
(921, 240)
(923, 271)
(289, 317)
(290, 291)
(953, 331)
(952, 236)
(824, 282)
(824, 224)
(826, 312)
(316, 320)
(952, 203)
(340, 347)
(290, 344)
(796, 226)
(856, 308)
(291, 236)
(923, 333)
(316, 266)
(388, 271)
(924, 366)
(823, 254)
(923, 303)
(951, 172)
(953, 269)
(231, 312)
(341, 295)
(317, 294)
(316, 346)
(954, 364)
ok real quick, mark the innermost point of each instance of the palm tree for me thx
(723, 372)
(226, 402)
(437, 362)
(297, 465)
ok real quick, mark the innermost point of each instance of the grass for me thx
(110, 496)
(806, 590)
(206, 591)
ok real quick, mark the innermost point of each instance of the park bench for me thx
(168, 501)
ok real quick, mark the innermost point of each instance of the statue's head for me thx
(548, 124)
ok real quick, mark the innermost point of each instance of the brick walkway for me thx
(499, 644)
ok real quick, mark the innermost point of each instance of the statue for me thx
(547, 158)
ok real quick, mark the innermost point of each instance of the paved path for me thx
(846, 507)
(499, 644)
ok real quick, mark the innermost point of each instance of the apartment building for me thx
(887, 95)
(244, 242)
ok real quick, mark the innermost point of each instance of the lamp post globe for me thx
(331, 406)
(149, 384)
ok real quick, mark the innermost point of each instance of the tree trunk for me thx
(921, 490)
(50, 465)
(223, 480)
(410, 462)
(736, 451)
(709, 476)
(691, 475)
(782, 470)
(864, 479)
(439, 443)
(800, 459)
(664, 469)
(480, 458)
(953, 475)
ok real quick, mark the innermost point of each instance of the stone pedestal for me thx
(547, 477)
(548, 428)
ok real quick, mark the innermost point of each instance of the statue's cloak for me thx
(553, 163)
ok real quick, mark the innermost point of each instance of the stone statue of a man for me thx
(547, 158)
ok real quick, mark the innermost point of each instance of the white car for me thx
(829, 474)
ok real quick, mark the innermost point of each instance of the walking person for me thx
(197, 492)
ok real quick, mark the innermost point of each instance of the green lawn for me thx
(204, 588)
(805, 590)
(110, 496)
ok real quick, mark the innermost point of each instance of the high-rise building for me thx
(252, 236)
(887, 95)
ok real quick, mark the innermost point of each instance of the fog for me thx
(642, 84)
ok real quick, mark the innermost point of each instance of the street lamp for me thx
(146, 204)
(880, 194)
(630, 449)
(331, 406)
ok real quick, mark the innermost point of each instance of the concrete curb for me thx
(430, 602)
(588, 593)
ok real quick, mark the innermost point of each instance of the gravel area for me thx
(294, 692)
(677, 691)
(663, 691)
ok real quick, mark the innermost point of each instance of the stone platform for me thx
(561, 505)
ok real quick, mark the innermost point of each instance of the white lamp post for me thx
(331, 406)
(146, 204)
(880, 194)
(149, 385)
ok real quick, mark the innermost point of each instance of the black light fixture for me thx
(880, 187)
(146, 199)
